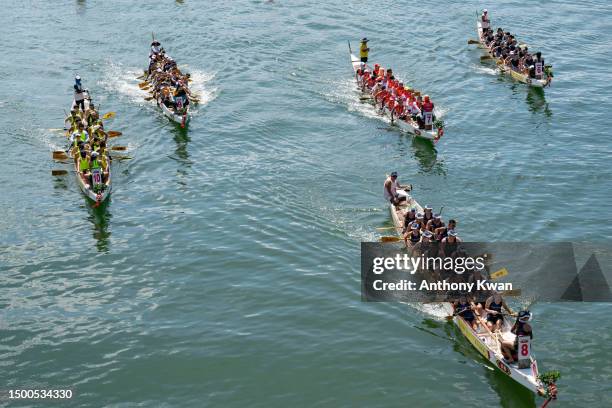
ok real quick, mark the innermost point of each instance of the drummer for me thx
(390, 190)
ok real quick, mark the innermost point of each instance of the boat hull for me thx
(487, 347)
(180, 119)
(517, 76)
(85, 188)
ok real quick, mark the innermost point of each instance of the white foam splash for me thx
(200, 86)
(117, 78)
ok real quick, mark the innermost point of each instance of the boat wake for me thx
(117, 78)
(200, 86)
(346, 93)
(123, 80)
(485, 70)
(437, 311)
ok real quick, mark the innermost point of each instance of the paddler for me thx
(465, 309)
(412, 237)
(442, 232)
(493, 307)
(398, 110)
(409, 218)
(104, 159)
(83, 166)
(364, 50)
(391, 186)
(79, 135)
(520, 328)
(435, 223)
(427, 216)
(72, 119)
(449, 244)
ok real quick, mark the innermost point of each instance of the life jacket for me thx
(427, 106)
(95, 164)
(398, 109)
(468, 314)
(363, 50)
(83, 164)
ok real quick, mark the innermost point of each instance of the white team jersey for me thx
(394, 187)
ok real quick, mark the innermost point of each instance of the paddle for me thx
(60, 155)
(387, 228)
(486, 57)
(121, 157)
(109, 115)
(114, 133)
(59, 172)
(391, 239)
(143, 84)
(118, 148)
(473, 42)
(499, 274)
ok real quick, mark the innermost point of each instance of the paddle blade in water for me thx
(59, 172)
(499, 274)
(390, 239)
(109, 115)
(473, 42)
(485, 57)
(60, 155)
(119, 148)
(114, 133)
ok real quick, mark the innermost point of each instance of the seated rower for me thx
(79, 134)
(434, 223)
(391, 186)
(419, 220)
(465, 309)
(427, 215)
(449, 244)
(83, 167)
(398, 110)
(493, 307)
(409, 218)
(376, 69)
(413, 236)
(426, 248)
(514, 62)
(442, 232)
(104, 160)
(71, 120)
(520, 328)
(381, 95)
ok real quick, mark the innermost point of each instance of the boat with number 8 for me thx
(487, 343)
(431, 131)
